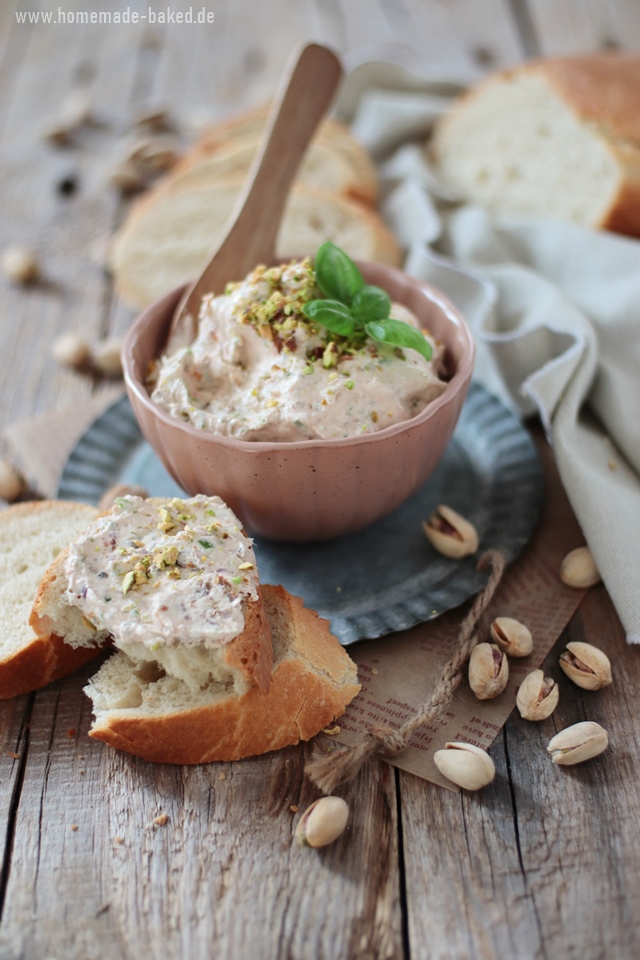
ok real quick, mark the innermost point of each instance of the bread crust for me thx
(601, 87)
(251, 652)
(47, 658)
(39, 621)
(310, 686)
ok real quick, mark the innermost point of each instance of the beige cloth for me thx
(555, 309)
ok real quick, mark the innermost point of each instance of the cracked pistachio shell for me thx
(587, 666)
(578, 569)
(512, 636)
(488, 671)
(107, 357)
(537, 697)
(580, 742)
(12, 483)
(465, 765)
(71, 350)
(450, 534)
(322, 822)
(21, 264)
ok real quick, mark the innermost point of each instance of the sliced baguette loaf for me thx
(110, 542)
(145, 712)
(169, 236)
(31, 534)
(555, 138)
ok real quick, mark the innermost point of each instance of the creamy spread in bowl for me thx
(259, 369)
(168, 579)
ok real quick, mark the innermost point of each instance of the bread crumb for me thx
(222, 775)
(332, 731)
(161, 819)
(374, 670)
(74, 826)
(293, 808)
(71, 732)
(118, 839)
(14, 756)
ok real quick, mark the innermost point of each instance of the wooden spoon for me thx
(302, 101)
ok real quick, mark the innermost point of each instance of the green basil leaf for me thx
(332, 315)
(371, 303)
(397, 333)
(336, 274)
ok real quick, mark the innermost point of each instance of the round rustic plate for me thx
(387, 577)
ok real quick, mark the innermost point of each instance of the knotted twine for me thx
(329, 770)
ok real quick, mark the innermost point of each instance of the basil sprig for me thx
(355, 309)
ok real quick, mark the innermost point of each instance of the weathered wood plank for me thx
(577, 826)
(14, 739)
(579, 26)
(543, 863)
(71, 230)
(224, 871)
(461, 38)
(530, 867)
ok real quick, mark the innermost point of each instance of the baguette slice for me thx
(30, 535)
(243, 662)
(169, 236)
(331, 134)
(555, 138)
(323, 168)
(144, 712)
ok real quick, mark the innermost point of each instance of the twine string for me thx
(328, 771)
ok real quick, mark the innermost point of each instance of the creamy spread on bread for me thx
(259, 369)
(164, 574)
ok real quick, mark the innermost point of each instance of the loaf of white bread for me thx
(211, 665)
(31, 535)
(556, 138)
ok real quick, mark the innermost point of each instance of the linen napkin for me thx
(555, 309)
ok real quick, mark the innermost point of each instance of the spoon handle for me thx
(302, 101)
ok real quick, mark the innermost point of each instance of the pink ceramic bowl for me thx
(310, 489)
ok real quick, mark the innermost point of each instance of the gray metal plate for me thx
(387, 577)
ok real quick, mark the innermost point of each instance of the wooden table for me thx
(544, 863)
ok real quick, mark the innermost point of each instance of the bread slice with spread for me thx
(31, 534)
(174, 583)
(145, 711)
